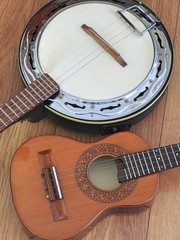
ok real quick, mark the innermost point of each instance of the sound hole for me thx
(91, 179)
(103, 172)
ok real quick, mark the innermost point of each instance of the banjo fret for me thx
(26, 100)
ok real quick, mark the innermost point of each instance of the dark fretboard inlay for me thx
(28, 99)
(148, 162)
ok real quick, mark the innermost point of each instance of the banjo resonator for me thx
(97, 93)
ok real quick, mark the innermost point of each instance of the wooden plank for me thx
(151, 127)
(165, 213)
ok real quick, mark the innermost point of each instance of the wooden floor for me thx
(161, 127)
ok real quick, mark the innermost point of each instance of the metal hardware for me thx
(130, 23)
(143, 13)
(53, 186)
(57, 183)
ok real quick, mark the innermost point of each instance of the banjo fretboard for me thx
(26, 100)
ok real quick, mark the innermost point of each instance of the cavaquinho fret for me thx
(148, 162)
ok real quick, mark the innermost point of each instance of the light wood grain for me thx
(168, 196)
(162, 220)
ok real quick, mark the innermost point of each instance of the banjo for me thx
(112, 60)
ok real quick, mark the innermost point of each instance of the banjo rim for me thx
(135, 114)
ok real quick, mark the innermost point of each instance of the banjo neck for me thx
(26, 100)
(149, 162)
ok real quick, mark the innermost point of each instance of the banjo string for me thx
(87, 62)
(85, 57)
(26, 101)
(81, 46)
(96, 49)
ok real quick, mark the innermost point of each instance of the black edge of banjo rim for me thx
(103, 128)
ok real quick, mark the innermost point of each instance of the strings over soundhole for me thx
(103, 172)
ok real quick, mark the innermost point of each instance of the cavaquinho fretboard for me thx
(148, 162)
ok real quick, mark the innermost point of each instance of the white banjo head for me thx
(84, 69)
(95, 88)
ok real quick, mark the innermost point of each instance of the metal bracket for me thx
(143, 13)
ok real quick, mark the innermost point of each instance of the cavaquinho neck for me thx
(148, 162)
